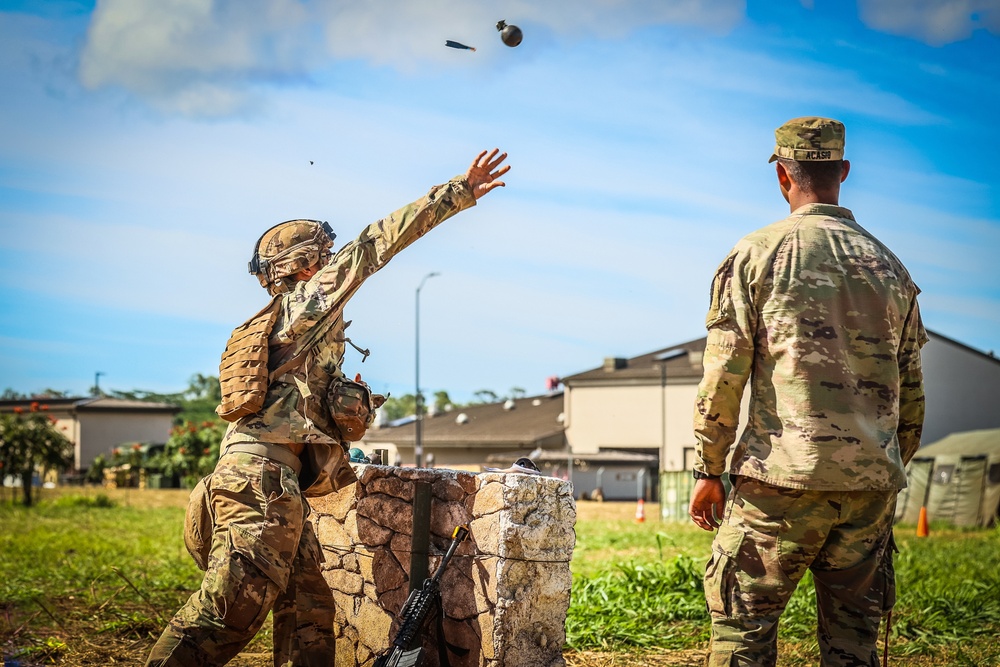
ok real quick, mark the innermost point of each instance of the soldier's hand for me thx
(483, 174)
(708, 502)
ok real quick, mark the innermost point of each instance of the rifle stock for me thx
(414, 613)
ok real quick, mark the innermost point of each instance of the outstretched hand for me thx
(483, 173)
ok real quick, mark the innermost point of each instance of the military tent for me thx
(957, 478)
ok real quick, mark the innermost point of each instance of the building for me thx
(97, 424)
(463, 438)
(607, 475)
(497, 434)
(962, 386)
(645, 404)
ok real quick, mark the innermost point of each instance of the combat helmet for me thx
(286, 248)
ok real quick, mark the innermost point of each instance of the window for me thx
(943, 474)
(994, 474)
(689, 458)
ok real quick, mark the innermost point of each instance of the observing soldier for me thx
(822, 320)
(287, 439)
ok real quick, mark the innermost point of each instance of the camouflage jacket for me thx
(822, 320)
(312, 315)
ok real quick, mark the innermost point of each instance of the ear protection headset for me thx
(258, 265)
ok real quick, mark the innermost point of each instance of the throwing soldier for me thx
(261, 553)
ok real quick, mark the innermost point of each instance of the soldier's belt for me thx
(275, 452)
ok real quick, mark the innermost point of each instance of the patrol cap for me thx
(809, 139)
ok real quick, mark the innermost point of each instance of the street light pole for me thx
(418, 444)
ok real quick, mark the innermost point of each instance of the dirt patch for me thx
(687, 658)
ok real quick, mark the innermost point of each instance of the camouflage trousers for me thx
(769, 537)
(264, 556)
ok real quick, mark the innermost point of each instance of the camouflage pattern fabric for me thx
(822, 320)
(809, 139)
(264, 553)
(264, 556)
(293, 409)
(759, 556)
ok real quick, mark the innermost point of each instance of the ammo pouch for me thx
(199, 523)
(352, 406)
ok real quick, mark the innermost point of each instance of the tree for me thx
(198, 401)
(30, 442)
(397, 407)
(486, 396)
(191, 451)
(441, 400)
(204, 387)
(517, 392)
(9, 394)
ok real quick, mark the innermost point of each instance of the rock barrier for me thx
(505, 593)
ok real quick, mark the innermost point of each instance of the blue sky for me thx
(145, 145)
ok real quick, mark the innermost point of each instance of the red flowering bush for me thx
(30, 444)
(192, 450)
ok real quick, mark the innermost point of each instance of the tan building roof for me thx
(678, 362)
(531, 422)
(88, 403)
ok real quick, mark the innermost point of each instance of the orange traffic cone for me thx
(640, 511)
(922, 528)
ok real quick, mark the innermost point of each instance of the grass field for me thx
(90, 576)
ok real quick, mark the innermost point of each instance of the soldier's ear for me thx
(846, 171)
(306, 273)
(784, 180)
(782, 173)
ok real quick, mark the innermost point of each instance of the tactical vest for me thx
(243, 372)
(244, 377)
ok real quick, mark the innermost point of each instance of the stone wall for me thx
(505, 592)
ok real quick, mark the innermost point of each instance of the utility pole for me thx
(418, 443)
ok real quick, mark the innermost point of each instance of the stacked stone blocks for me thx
(506, 591)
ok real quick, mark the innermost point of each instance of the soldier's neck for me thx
(799, 198)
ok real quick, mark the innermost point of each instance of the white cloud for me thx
(936, 22)
(195, 57)
(203, 57)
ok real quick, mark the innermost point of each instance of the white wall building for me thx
(96, 425)
(645, 404)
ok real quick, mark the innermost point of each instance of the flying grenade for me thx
(510, 34)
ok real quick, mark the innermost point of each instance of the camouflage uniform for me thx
(822, 320)
(264, 553)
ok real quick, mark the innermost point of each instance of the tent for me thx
(957, 478)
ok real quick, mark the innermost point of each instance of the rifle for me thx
(414, 613)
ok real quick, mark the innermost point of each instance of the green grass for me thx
(85, 579)
(948, 588)
(67, 548)
(90, 578)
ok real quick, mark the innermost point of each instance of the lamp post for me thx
(667, 509)
(418, 444)
(661, 363)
